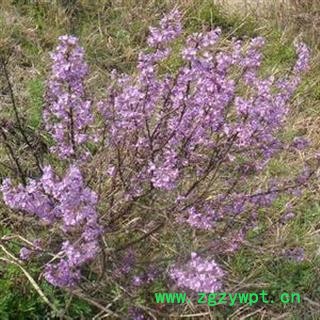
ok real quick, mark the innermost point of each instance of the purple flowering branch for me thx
(68, 113)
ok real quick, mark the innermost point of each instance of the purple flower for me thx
(135, 313)
(169, 29)
(137, 281)
(198, 274)
(146, 277)
(62, 274)
(287, 216)
(68, 202)
(296, 254)
(25, 253)
(127, 262)
(300, 143)
(303, 52)
(236, 240)
(200, 221)
(67, 113)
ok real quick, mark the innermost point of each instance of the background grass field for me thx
(112, 33)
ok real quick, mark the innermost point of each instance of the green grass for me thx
(19, 300)
(35, 91)
(113, 34)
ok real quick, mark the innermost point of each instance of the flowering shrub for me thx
(67, 202)
(67, 114)
(175, 148)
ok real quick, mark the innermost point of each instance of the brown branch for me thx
(13, 156)
(3, 64)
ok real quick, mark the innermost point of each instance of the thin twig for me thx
(16, 112)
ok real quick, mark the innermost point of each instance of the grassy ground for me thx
(112, 33)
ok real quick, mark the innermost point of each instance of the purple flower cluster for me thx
(198, 220)
(67, 113)
(65, 201)
(170, 124)
(127, 263)
(236, 241)
(169, 29)
(26, 253)
(137, 314)
(302, 64)
(198, 274)
(294, 254)
(300, 143)
(146, 277)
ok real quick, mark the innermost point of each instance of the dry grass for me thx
(293, 16)
(112, 33)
